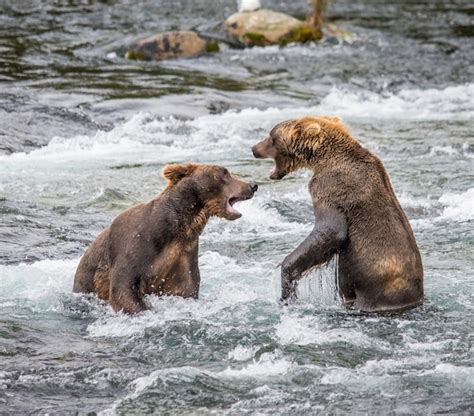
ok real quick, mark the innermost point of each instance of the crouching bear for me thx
(357, 215)
(153, 247)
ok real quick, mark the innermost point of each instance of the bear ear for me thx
(312, 129)
(309, 127)
(175, 172)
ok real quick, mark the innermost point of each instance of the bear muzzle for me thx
(246, 193)
(264, 149)
(253, 187)
(278, 173)
(256, 153)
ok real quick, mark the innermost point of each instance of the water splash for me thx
(321, 286)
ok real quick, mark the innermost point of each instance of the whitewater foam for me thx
(225, 284)
(304, 330)
(257, 219)
(267, 365)
(145, 137)
(41, 282)
(458, 207)
(415, 104)
(240, 353)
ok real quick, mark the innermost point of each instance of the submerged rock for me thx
(267, 27)
(172, 45)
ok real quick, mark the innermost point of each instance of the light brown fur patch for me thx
(175, 172)
(389, 266)
(304, 138)
(102, 282)
(198, 224)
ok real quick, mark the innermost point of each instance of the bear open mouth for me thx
(231, 211)
(277, 173)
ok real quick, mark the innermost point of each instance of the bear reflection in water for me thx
(356, 215)
(153, 247)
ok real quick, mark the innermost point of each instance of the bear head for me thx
(212, 186)
(297, 143)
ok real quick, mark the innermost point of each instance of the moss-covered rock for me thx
(261, 27)
(255, 39)
(266, 27)
(136, 55)
(212, 46)
(301, 34)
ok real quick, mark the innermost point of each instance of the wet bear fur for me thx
(153, 247)
(357, 216)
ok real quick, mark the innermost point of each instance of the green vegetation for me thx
(302, 34)
(256, 39)
(212, 46)
(137, 55)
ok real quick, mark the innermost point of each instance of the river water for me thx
(84, 134)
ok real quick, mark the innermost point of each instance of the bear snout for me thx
(253, 187)
(255, 152)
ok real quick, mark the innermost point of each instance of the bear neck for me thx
(325, 150)
(186, 208)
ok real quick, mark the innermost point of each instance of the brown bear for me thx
(357, 215)
(153, 247)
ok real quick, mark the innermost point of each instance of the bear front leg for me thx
(123, 295)
(324, 241)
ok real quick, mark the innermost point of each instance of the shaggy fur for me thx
(357, 215)
(153, 247)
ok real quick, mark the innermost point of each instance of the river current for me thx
(84, 134)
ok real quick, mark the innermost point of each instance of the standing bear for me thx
(357, 216)
(153, 247)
